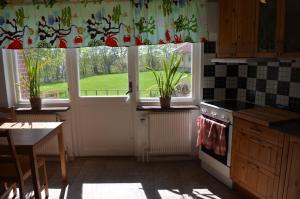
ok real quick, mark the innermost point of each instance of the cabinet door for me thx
(246, 15)
(262, 153)
(268, 24)
(291, 29)
(227, 28)
(292, 184)
(256, 180)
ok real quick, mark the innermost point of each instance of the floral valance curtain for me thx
(71, 24)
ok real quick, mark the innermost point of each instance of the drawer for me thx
(253, 178)
(261, 132)
(263, 153)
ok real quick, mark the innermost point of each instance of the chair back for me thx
(7, 114)
(9, 162)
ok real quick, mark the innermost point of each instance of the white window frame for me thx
(196, 72)
(105, 98)
(73, 80)
(11, 65)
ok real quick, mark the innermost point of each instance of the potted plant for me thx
(168, 79)
(32, 80)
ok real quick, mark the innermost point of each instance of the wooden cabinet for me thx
(258, 181)
(257, 159)
(236, 28)
(227, 28)
(290, 29)
(250, 28)
(268, 23)
(292, 182)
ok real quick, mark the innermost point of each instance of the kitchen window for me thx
(53, 74)
(103, 71)
(152, 56)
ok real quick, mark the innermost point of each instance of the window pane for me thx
(152, 56)
(53, 73)
(103, 71)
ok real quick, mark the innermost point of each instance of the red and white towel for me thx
(211, 135)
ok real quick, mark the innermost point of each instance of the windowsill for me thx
(44, 110)
(172, 108)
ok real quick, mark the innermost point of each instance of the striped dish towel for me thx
(211, 135)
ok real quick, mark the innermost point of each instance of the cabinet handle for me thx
(251, 163)
(256, 130)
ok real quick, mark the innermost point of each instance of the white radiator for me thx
(169, 133)
(51, 147)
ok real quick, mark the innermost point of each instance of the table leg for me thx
(35, 175)
(63, 163)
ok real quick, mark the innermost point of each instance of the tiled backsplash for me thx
(263, 83)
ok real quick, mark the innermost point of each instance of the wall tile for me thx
(295, 75)
(284, 74)
(231, 82)
(261, 72)
(219, 93)
(220, 70)
(232, 70)
(294, 90)
(260, 98)
(241, 94)
(252, 70)
(270, 99)
(242, 82)
(209, 70)
(220, 82)
(208, 93)
(250, 96)
(282, 100)
(251, 83)
(261, 85)
(271, 86)
(272, 73)
(209, 82)
(283, 88)
(243, 69)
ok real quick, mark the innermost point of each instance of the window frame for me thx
(73, 80)
(120, 97)
(14, 80)
(194, 98)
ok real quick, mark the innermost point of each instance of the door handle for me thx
(130, 88)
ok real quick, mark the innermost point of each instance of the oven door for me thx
(225, 160)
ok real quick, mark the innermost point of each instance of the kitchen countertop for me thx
(291, 127)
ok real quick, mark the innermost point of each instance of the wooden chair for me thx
(15, 169)
(7, 114)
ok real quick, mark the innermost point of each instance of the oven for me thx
(228, 134)
(216, 165)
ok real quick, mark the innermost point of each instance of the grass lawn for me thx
(106, 82)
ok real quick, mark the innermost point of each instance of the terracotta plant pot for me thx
(165, 102)
(36, 103)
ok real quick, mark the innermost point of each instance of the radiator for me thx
(169, 133)
(51, 147)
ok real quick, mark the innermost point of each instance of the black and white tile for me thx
(264, 83)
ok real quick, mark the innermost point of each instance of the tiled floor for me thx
(125, 178)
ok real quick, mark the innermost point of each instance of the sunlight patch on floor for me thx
(205, 194)
(169, 194)
(53, 194)
(113, 191)
(177, 194)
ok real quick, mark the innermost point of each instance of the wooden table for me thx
(29, 136)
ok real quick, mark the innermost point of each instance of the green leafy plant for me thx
(32, 81)
(169, 78)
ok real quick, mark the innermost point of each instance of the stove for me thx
(230, 105)
(220, 112)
